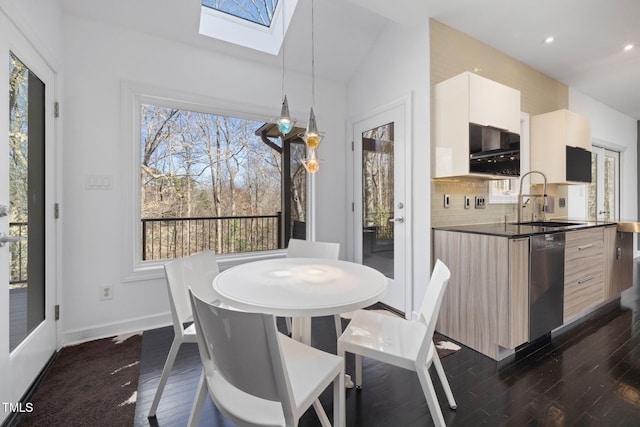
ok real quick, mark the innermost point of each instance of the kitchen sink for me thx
(550, 223)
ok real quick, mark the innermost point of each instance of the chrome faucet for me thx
(520, 195)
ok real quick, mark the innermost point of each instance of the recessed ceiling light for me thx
(549, 40)
(628, 47)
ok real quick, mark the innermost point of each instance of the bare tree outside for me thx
(208, 182)
(18, 169)
(377, 175)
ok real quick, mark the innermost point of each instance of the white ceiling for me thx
(587, 53)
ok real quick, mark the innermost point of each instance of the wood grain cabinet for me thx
(463, 99)
(485, 306)
(618, 260)
(584, 271)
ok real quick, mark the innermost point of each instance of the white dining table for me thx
(300, 288)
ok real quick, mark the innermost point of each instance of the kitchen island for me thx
(487, 304)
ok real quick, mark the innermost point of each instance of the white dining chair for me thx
(257, 376)
(404, 343)
(298, 248)
(196, 271)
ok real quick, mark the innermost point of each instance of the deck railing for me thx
(18, 257)
(166, 238)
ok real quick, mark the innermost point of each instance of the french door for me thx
(382, 239)
(27, 233)
(604, 190)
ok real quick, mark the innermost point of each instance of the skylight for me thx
(249, 23)
(257, 12)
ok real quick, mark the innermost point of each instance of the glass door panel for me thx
(604, 193)
(26, 201)
(377, 199)
(610, 174)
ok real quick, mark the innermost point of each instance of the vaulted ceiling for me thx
(587, 52)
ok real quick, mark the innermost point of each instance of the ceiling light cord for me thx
(283, 17)
(313, 65)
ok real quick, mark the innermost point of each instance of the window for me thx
(260, 12)
(256, 25)
(504, 191)
(213, 181)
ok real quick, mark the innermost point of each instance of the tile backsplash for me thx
(456, 214)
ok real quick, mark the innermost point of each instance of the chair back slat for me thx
(199, 271)
(195, 271)
(307, 249)
(237, 345)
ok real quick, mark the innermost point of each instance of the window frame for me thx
(133, 96)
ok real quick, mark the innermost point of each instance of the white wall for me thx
(99, 59)
(398, 66)
(41, 23)
(617, 131)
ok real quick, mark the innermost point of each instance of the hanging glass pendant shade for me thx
(311, 163)
(285, 123)
(312, 137)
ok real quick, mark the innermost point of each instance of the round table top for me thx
(300, 287)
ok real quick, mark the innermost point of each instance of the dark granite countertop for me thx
(512, 230)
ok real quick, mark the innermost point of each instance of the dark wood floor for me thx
(588, 376)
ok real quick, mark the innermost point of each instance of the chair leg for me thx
(287, 320)
(339, 398)
(358, 371)
(338, 321)
(168, 365)
(444, 381)
(322, 416)
(198, 403)
(430, 396)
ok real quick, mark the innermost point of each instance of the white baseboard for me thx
(79, 336)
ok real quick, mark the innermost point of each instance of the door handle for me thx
(399, 219)
(603, 212)
(10, 239)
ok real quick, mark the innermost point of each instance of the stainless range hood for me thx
(493, 151)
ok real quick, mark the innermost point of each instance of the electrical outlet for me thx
(480, 202)
(106, 292)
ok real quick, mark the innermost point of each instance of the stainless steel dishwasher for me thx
(546, 283)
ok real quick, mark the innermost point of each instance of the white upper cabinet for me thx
(463, 100)
(493, 104)
(561, 147)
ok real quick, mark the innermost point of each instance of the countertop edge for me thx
(514, 231)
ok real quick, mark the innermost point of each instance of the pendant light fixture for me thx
(285, 122)
(311, 136)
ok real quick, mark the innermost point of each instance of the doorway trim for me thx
(406, 103)
(35, 351)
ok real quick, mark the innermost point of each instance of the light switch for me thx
(98, 182)
(447, 200)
